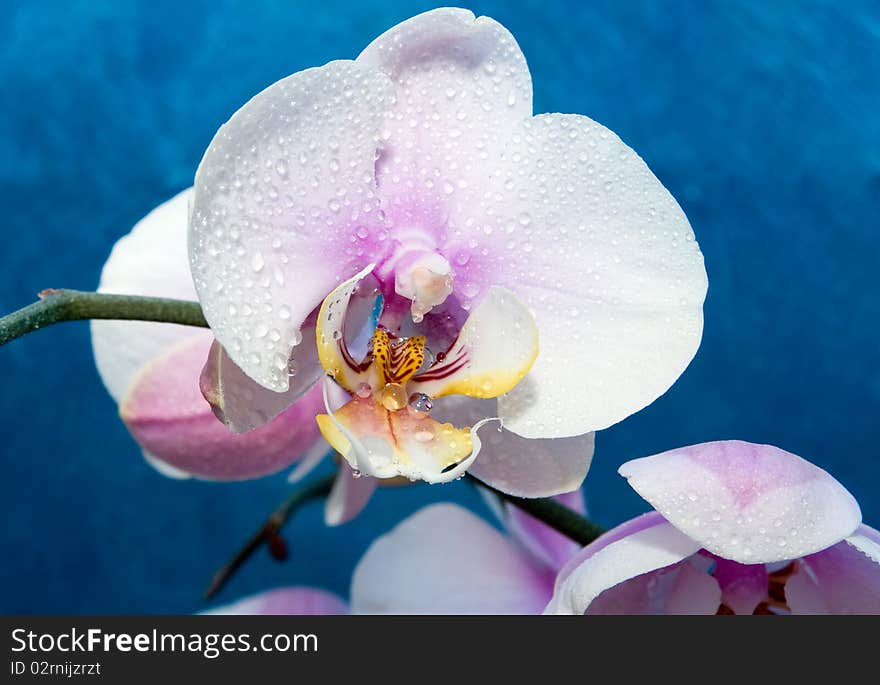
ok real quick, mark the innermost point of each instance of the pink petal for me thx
(745, 502)
(150, 260)
(743, 586)
(167, 415)
(685, 588)
(294, 601)
(549, 546)
(445, 560)
(348, 497)
(593, 572)
(843, 579)
(516, 465)
(282, 197)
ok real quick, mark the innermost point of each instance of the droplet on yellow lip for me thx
(393, 396)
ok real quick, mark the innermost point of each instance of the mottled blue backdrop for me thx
(761, 118)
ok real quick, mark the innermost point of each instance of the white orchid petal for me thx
(493, 352)
(579, 228)
(348, 497)
(746, 502)
(165, 468)
(284, 190)
(344, 312)
(151, 260)
(242, 404)
(647, 550)
(445, 560)
(462, 86)
(516, 465)
(314, 456)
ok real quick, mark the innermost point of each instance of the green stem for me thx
(556, 515)
(55, 306)
(268, 532)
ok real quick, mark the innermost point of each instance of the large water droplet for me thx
(420, 403)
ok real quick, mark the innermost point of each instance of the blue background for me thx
(761, 118)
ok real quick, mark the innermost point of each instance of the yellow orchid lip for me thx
(385, 430)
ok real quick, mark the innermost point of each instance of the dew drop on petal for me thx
(420, 403)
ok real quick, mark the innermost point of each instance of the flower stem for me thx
(55, 306)
(269, 532)
(556, 515)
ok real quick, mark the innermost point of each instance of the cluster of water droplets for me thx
(285, 180)
(751, 503)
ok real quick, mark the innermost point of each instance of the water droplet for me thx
(420, 403)
(470, 289)
(257, 261)
(393, 397)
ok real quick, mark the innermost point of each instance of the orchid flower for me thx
(152, 371)
(446, 560)
(407, 211)
(738, 529)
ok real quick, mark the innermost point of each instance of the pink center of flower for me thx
(418, 271)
